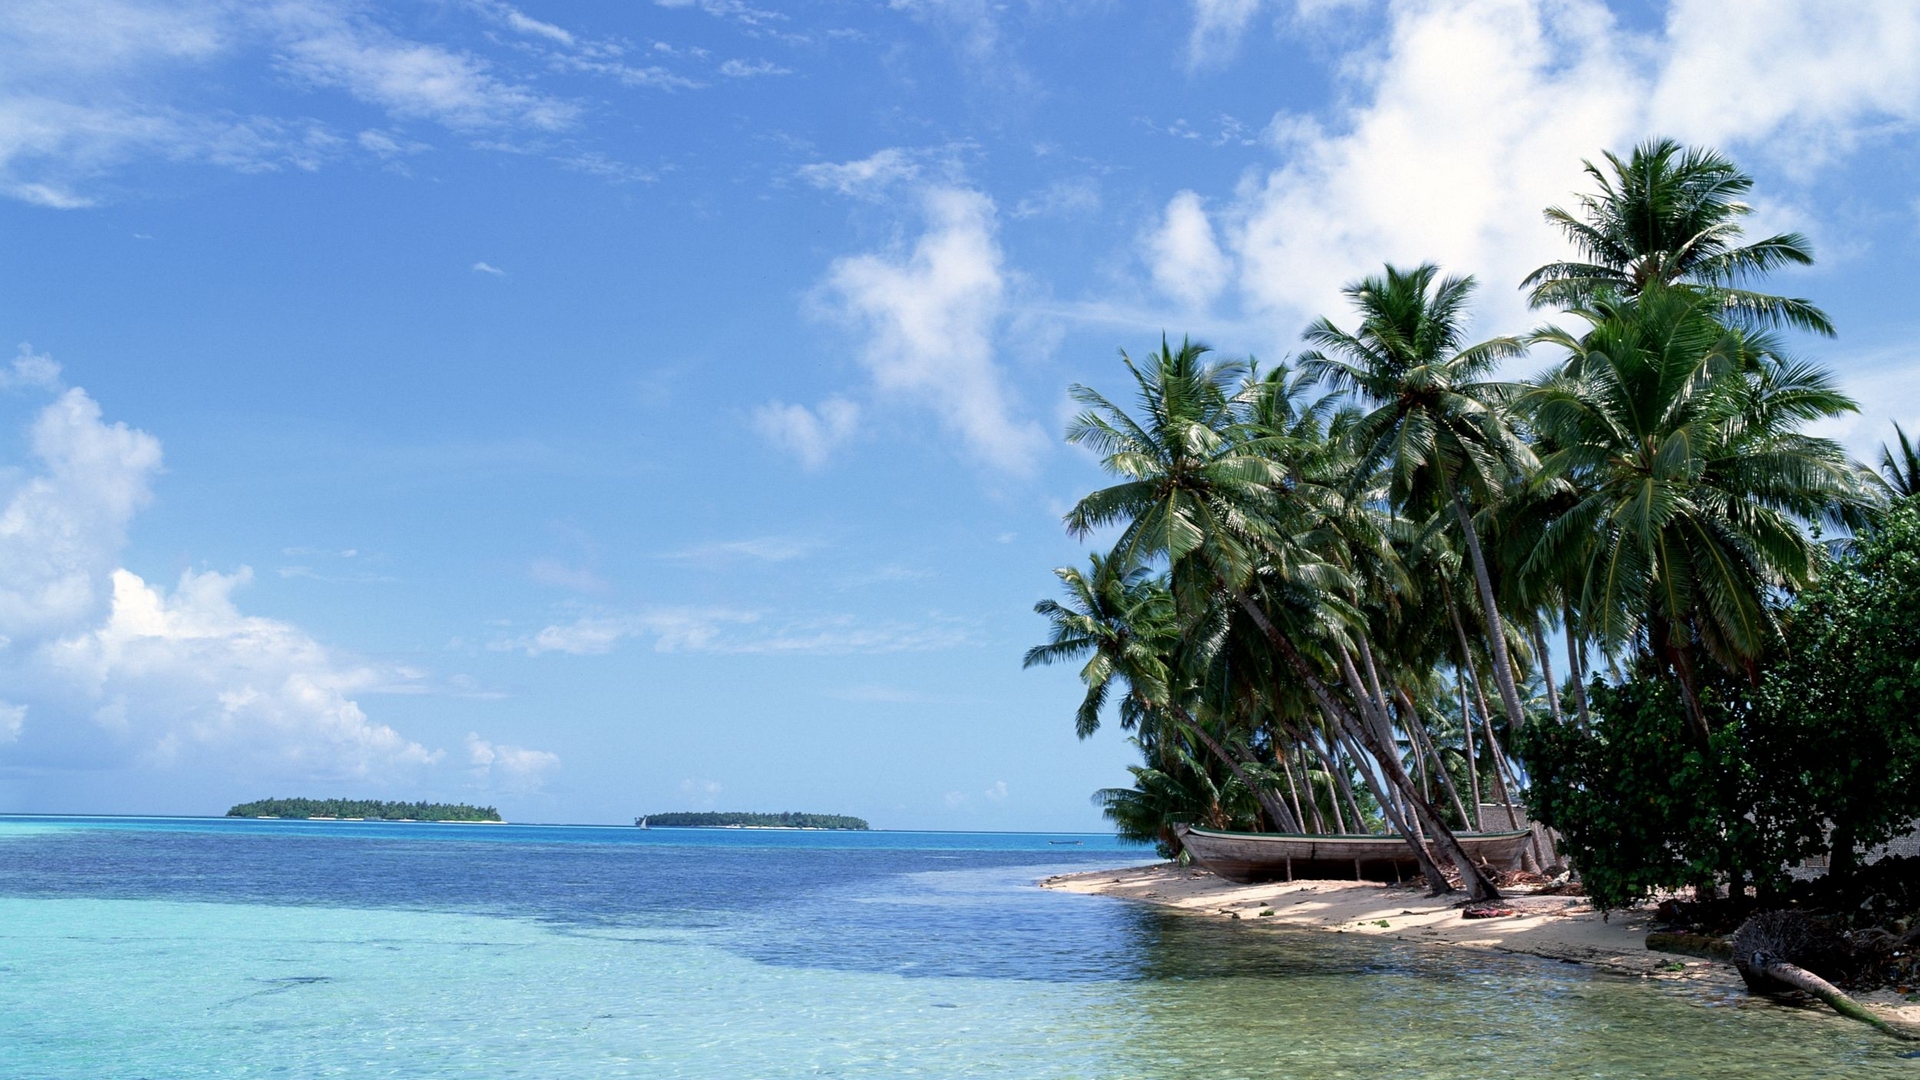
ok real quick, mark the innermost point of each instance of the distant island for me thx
(788, 820)
(368, 809)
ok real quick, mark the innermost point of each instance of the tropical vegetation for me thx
(369, 809)
(1330, 594)
(791, 819)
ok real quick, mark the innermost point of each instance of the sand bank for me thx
(1563, 928)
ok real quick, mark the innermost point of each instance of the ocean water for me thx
(152, 949)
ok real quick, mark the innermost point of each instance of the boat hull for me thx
(1254, 857)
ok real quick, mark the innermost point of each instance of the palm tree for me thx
(1439, 422)
(1208, 492)
(1900, 472)
(1116, 619)
(1177, 789)
(1681, 436)
(1121, 620)
(1671, 215)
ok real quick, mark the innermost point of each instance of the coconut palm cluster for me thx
(1331, 594)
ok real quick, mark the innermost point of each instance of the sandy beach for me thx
(1555, 927)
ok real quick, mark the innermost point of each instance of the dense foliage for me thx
(788, 820)
(370, 809)
(1331, 585)
(1818, 756)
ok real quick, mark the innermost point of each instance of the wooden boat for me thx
(1251, 857)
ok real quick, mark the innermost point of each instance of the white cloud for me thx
(1183, 255)
(742, 69)
(931, 315)
(726, 631)
(808, 434)
(583, 637)
(998, 792)
(488, 268)
(1815, 70)
(62, 530)
(976, 21)
(1474, 115)
(384, 144)
(1074, 197)
(88, 87)
(523, 23)
(30, 369)
(324, 46)
(736, 10)
(866, 177)
(188, 676)
(774, 549)
(672, 630)
(101, 670)
(1217, 26)
(1883, 382)
(510, 768)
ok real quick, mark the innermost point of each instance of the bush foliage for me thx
(1818, 752)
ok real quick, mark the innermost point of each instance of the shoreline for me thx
(1551, 927)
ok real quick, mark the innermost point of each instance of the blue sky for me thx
(605, 408)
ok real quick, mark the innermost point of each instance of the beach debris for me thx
(1776, 951)
(1486, 911)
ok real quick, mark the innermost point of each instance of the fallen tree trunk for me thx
(1770, 967)
(1770, 948)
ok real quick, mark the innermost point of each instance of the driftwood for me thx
(1766, 947)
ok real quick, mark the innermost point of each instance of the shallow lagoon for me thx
(168, 948)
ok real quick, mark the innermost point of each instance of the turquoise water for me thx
(163, 948)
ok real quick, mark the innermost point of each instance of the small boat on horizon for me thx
(1064, 843)
(1247, 858)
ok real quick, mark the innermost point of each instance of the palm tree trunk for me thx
(1373, 713)
(1479, 887)
(1287, 768)
(1681, 657)
(1415, 727)
(1338, 786)
(1189, 723)
(1313, 793)
(1271, 803)
(1396, 817)
(1473, 752)
(1496, 629)
(1493, 745)
(1577, 660)
(1546, 671)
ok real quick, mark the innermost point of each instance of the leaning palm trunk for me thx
(1473, 751)
(1269, 801)
(1293, 788)
(1479, 886)
(1493, 745)
(1397, 820)
(1419, 731)
(1337, 784)
(1313, 789)
(1496, 629)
